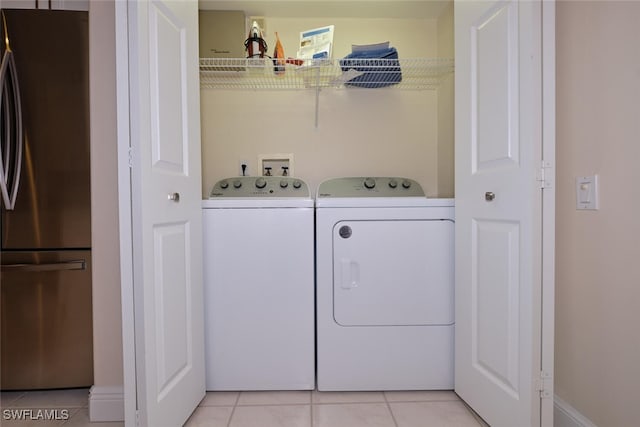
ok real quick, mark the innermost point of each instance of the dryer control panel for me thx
(370, 187)
(259, 186)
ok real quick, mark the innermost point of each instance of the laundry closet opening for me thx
(336, 131)
(388, 135)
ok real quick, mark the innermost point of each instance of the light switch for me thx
(587, 192)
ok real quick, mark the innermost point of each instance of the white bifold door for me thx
(499, 211)
(166, 216)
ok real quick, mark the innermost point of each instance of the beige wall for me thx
(598, 257)
(360, 132)
(107, 325)
(446, 134)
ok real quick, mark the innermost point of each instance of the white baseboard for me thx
(565, 415)
(106, 403)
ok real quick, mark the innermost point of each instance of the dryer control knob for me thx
(224, 185)
(284, 183)
(406, 183)
(261, 183)
(297, 184)
(237, 183)
(393, 183)
(369, 183)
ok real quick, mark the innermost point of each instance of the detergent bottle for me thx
(278, 57)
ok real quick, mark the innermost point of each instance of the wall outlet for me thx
(243, 168)
(276, 164)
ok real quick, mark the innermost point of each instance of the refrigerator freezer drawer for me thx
(46, 320)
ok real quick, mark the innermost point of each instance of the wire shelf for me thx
(243, 73)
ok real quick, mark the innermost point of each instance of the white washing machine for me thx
(259, 285)
(384, 286)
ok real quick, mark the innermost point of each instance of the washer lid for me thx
(259, 192)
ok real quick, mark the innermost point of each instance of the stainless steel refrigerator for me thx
(45, 283)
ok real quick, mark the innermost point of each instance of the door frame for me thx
(548, 171)
(125, 213)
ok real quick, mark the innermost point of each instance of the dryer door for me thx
(393, 272)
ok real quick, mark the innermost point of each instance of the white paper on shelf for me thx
(316, 43)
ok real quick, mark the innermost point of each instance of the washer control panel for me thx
(260, 186)
(370, 187)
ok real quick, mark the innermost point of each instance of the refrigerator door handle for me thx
(17, 166)
(8, 70)
(56, 266)
(5, 144)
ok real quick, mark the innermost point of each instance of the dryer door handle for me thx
(350, 273)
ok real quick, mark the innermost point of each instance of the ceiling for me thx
(424, 9)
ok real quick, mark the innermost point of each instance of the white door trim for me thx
(548, 207)
(125, 211)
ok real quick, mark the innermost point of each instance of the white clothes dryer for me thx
(384, 286)
(259, 285)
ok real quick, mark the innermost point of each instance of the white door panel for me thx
(495, 302)
(494, 100)
(498, 209)
(172, 323)
(166, 217)
(168, 126)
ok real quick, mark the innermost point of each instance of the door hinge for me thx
(545, 175)
(544, 385)
(130, 155)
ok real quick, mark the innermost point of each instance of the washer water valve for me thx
(276, 164)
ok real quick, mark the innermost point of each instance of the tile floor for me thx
(333, 409)
(271, 409)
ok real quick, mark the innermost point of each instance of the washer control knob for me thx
(284, 183)
(224, 184)
(297, 184)
(261, 183)
(406, 183)
(237, 183)
(393, 183)
(370, 183)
